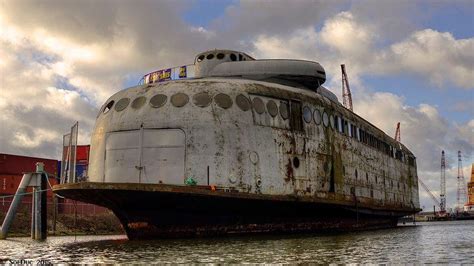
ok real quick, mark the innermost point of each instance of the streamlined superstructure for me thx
(231, 144)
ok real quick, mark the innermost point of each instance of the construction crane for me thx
(397, 132)
(461, 195)
(346, 91)
(429, 192)
(442, 194)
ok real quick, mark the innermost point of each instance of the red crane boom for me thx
(346, 91)
(397, 132)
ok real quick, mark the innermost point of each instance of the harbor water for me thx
(428, 242)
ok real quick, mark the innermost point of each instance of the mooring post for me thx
(55, 212)
(25, 181)
(33, 213)
(43, 230)
(38, 219)
(37, 213)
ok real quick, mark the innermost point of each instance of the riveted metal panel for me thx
(163, 156)
(122, 156)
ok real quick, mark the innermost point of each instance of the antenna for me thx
(346, 91)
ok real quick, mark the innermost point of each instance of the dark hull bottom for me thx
(153, 214)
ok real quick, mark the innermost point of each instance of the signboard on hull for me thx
(175, 73)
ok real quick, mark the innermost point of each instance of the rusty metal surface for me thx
(149, 211)
(73, 190)
(253, 152)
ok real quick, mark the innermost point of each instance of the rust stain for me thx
(289, 171)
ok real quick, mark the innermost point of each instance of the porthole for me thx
(210, 56)
(233, 57)
(202, 99)
(317, 117)
(200, 58)
(296, 162)
(158, 100)
(240, 57)
(284, 113)
(325, 119)
(179, 99)
(307, 115)
(138, 102)
(331, 121)
(108, 107)
(272, 108)
(223, 100)
(242, 102)
(122, 104)
(220, 56)
(258, 105)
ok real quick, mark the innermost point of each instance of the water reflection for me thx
(447, 242)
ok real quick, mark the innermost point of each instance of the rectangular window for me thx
(339, 124)
(296, 117)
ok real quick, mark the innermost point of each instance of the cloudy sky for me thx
(408, 61)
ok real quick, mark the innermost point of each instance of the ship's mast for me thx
(346, 91)
(442, 194)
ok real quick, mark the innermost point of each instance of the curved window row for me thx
(202, 99)
(351, 130)
(348, 128)
(318, 116)
(220, 56)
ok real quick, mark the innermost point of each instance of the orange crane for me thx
(429, 192)
(346, 91)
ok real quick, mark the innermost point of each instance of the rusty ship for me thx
(231, 144)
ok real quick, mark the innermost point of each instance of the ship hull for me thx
(164, 211)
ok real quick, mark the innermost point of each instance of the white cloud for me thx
(346, 36)
(436, 55)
